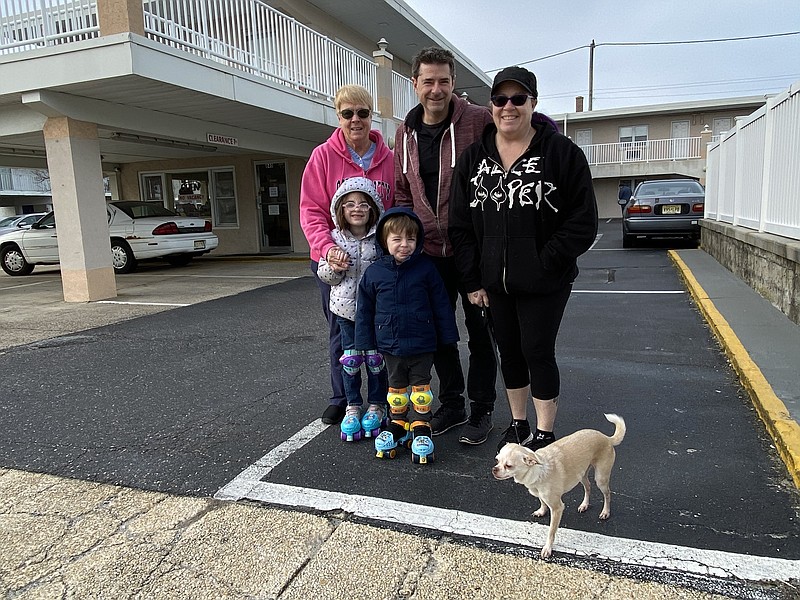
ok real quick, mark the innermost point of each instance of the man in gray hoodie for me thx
(427, 145)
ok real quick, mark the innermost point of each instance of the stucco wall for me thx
(768, 263)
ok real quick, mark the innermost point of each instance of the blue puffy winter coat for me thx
(403, 309)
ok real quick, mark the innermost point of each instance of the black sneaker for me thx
(477, 429)
(333, 415)
(519, 432)
(541, 439)
(446, 418)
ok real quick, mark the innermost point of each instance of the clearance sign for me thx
(222, 140)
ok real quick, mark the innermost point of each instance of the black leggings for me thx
(525, 329)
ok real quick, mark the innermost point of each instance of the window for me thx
(224, 198)
(208, 194)
(633, 142)
(636, 133)
(721, 125)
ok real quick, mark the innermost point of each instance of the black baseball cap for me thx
(519, 74)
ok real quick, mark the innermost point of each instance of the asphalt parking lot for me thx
(195, 376)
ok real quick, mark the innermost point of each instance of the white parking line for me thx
(249, 485)
(22, 285)
(139, 303)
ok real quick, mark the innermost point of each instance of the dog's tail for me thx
(619, 431)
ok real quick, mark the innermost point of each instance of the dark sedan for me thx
(663, 208)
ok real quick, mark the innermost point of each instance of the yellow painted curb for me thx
(784, 430)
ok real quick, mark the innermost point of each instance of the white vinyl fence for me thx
(752, 174)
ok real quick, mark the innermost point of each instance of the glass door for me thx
(273, 206)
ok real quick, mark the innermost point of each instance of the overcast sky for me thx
(497, 34)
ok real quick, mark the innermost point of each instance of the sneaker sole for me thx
(466, 440)
(449, 427)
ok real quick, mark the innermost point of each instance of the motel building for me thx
(212, 108)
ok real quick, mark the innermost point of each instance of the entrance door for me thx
(680, 139)
(273, 205)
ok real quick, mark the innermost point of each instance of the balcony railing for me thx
(24, 181)
(29, 24)
(646, 151)
(254, 37)
(244, 34)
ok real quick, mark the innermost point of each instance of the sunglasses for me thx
(348, 113)
(517, 99)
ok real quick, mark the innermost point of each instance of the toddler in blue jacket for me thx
(403, 311)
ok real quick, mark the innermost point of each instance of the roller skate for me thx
(373, 420)
(388, 441)
(397, 432)
(374, 360)
(422, 444)
(351, 424)
(351, 361)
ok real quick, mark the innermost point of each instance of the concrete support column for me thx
(76, 180)
(120, 16)
(385, 100)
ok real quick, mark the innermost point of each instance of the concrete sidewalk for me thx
(65, 538)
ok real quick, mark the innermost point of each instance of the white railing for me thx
(29, 24)
(404, 98)
(254, 37)
(647, 151)
(24, 180)
(752, 179)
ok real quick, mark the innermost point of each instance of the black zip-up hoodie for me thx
(521, 231)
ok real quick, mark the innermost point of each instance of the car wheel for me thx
(122, 257)
(179, 260)
(13, 262)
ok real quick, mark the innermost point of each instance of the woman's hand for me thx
(338, 259)
(479, 298)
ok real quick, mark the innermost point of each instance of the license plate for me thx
(199, 244)
(671, 209)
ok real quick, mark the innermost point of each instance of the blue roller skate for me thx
(388, 441)
(351, 424)
(373, 420)
(422, 450)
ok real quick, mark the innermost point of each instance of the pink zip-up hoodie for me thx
(329, 165)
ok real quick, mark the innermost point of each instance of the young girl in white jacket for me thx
(355, 210)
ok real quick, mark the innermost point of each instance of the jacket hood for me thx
(400, 210)
(355, 184)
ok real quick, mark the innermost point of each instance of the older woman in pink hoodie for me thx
(353, 150)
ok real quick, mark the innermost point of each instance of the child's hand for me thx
(338, 259)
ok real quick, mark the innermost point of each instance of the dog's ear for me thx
(529, 457)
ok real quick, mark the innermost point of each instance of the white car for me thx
(138, 230)
(19, 222)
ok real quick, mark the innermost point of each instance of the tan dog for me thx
(555, 469)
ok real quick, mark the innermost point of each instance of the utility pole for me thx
(591, 74)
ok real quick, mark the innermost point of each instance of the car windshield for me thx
(139, 210)
(666, 188)
(8, 221)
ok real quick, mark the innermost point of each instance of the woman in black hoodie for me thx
(522, 209)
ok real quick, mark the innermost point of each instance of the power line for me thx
(668, 43)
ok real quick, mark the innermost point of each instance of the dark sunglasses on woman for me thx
(517, 99)
(348, 113)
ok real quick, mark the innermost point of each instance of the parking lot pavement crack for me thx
(319, 542)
